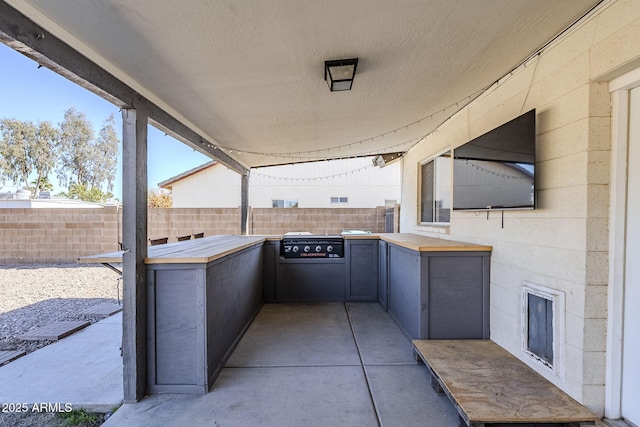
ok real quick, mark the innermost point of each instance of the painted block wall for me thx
(215, 187)
(269, 221)
(311, 184)
(563, 243)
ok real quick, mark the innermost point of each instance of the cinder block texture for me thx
(58, 236)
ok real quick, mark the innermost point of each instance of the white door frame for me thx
(619, 89)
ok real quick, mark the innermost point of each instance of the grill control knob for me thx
(307, 248)
(318, 248)
(329, 248)
(295, 249)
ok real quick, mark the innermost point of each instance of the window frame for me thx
(432, 159)
(339, 200)
(292, 203)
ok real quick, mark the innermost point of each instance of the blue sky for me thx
(37, 94)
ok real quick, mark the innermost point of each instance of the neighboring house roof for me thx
(168, 183)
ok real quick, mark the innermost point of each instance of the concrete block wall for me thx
(563, 244)
(55, 236)
(269, 221)
(61, 236)
(173, 222)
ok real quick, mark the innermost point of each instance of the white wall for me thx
(312, 184)
(214, 187)
(563, 243)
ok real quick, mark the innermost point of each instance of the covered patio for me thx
(300, 364)
(248, 86)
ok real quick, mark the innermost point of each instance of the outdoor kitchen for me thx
(214, 286)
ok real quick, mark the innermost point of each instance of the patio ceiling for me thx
(248, 75)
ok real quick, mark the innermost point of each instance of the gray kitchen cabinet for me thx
(439, 293)
(196, 313)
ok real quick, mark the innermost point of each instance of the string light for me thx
(405, 145)
(317, 178)
(494, 173)
(314, 154)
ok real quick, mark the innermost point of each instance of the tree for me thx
(87, 162)
(76, 134)
(45, 154)
(43, 184)
(84, 163)
(82, 192)
(159, 199)
(105, 156)
(26, 148)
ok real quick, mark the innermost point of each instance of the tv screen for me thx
(497, 170)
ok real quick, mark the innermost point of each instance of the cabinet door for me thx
(456, 297)
(362, 271)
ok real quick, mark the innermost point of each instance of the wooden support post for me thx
(134, 233)
(244, 202)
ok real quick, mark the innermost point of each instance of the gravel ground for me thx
(35, 295)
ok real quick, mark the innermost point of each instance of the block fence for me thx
(60, 236)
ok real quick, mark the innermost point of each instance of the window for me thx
(284, 203)
(339, 200)
(435, 191)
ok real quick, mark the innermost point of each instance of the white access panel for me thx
(631, 334)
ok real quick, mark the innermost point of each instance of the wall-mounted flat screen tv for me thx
(497, 170)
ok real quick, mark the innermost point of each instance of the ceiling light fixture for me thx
(339, 73)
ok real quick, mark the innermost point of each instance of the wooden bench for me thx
(491, 387)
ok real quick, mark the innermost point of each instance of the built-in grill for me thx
(310, 246)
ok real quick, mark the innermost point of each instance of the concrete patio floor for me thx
(309, 365)
(83, 370)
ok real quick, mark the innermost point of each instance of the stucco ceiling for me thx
(249, 74)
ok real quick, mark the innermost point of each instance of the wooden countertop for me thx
(211, 248)
(202, 250)
(422, 243)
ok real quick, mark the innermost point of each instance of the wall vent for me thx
(543, 327)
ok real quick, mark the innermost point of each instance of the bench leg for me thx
(465, 423)
(436, 386)
(416, 356)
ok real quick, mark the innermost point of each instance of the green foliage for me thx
(83, 192)
(76, 134)
(80, 418)
(85, 159)
(85, 163)
(26, 148)
(105, 155)
(43, 184)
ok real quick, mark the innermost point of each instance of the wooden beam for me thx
(23, 35)
(134, 234)
(244, 202)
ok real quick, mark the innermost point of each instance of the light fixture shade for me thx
(339, 73)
